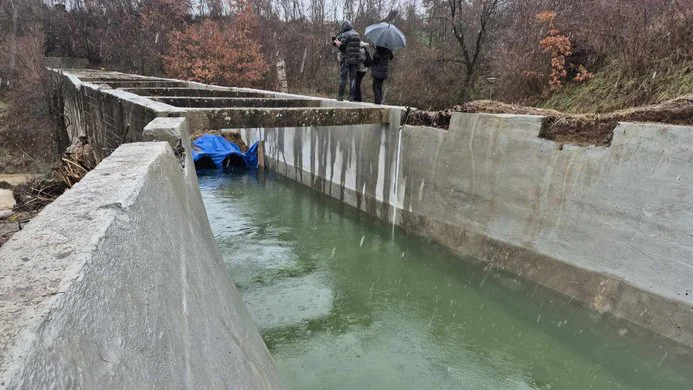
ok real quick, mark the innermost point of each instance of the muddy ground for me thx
(578, 129)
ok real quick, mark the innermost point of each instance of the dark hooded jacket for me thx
(380, 68)
(350, 46)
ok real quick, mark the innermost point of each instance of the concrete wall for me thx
(112, 108)
(119, 284)
(107, 117)
(607, 226)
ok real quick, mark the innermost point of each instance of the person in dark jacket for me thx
(349, 43)
(379, 70)
(361, 71)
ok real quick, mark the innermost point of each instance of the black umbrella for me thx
(386, 35)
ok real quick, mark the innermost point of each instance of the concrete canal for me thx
(342, 301)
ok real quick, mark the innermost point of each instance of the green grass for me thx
(612, 89)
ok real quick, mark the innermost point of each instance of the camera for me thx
(332, 40)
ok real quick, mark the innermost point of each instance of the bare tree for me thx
(13, 37)
(471, 21)
(317, 11)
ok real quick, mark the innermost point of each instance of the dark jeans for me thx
(378, 90)
(347, 72)
(357, 92)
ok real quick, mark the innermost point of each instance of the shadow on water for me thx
(343, 303)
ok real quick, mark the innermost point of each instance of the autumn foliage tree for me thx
(559, 46)
(218, 53)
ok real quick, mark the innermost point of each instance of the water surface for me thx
(343, 302)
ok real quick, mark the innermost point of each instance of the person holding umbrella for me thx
(386, 38)
(379, 71)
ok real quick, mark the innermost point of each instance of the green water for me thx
(343, 302)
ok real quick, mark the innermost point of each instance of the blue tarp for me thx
(218, 149)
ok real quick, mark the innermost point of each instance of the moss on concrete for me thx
(221, 102)
(193, 92)
(285, 117)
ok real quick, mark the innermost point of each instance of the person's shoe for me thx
(339, 99)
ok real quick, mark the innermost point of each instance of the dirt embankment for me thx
(578, 129)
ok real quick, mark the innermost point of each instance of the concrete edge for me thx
(46, 287)
(219, 118)
(67, 248)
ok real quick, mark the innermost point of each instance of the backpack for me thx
(369, 60)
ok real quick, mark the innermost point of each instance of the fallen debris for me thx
(37, 193)
(578, 129)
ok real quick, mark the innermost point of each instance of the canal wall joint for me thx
(119, 284)
(608, 226)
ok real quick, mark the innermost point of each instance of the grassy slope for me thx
(612, 89)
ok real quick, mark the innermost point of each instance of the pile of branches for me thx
(75, 163)
(37, 193)
(69, 172)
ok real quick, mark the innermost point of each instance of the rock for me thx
(6, 200)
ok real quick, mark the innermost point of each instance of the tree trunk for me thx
(467, 84)
(281, 76)
(13, 47)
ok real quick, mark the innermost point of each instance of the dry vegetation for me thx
(593, 56)
(579, 129)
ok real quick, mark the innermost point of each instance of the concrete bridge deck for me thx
(609, 227)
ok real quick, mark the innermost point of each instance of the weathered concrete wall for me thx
(607, 226)
(128, 286)
(224, 118)
(111, 108)
(221, 102)
(119, 284)
(107, 117)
